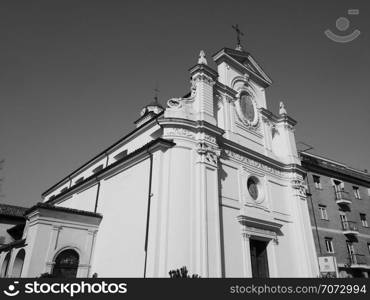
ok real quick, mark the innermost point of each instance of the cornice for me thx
(331, 170)
(190, 124)
(277, 119)
(287, 120)
(267, 161)
(222, 88)
(47, 206)
(202, 68)
(268, 114)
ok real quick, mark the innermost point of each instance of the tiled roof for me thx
(63, 209)
(12, 210)
(17, 243)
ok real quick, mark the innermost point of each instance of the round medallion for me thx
(252, 186)
(247, 107)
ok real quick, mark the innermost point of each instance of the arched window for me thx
(66, 264)
(5, 265)
(18, 263)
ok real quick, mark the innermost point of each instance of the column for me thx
(247, 265)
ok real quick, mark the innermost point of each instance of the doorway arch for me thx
(18, 263)
(5, 265)
(66, 264)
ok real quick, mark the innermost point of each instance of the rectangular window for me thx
(98, 169)
(329, 245)
(323, 212)
(120, 155)
(79, 180)
(356, 192)
(316, 180)
(363, 220)
(350, 248)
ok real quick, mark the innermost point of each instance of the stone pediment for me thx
(244, 62)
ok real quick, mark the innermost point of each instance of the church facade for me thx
(212, 182)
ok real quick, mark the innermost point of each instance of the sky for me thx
(74, 75)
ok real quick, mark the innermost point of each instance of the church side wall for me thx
(120, 241)
(129, 145)
(84, 200)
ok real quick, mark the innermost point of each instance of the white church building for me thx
(212, 182)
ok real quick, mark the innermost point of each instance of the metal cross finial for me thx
(239, 33)
(156, 91)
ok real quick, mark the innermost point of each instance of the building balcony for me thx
(342, 197)
(349, 228)
(358, 261)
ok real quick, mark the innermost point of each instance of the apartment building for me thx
(339, 206)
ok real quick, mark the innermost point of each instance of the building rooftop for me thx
(331, 165)
(62, 209)
(7, 210)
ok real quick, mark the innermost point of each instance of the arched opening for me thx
(5, 265)
(18, 263)
(66, 264)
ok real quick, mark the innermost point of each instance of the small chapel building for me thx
(212, 182)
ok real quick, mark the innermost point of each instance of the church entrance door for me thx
(258, 250)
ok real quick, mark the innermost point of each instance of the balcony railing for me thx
(357, 259)
(349, 227)
(342, 196)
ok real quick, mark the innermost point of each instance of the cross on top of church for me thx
(156, 91)
(239, 33)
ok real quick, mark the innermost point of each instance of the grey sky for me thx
(75, 74)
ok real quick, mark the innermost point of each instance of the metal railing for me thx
(349, 226)
(342, 195)
(357, 259)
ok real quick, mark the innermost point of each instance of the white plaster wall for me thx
(232, 243)
(179, 222)
(229, 182)
(278, 197)
(123, 200)
(38, 243)
(84, 200)
(286, 258)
